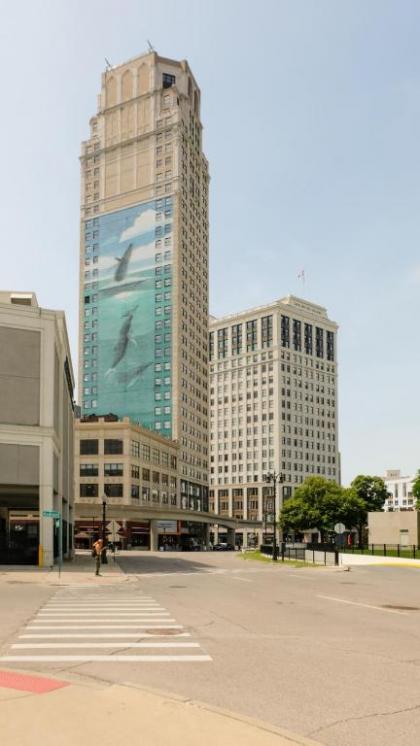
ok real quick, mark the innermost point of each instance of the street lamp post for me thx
(274, 477)
(104, 558)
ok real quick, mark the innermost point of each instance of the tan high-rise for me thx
(144, 260)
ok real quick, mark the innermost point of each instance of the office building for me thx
(273, 404)
(144, 260)
(36, 431)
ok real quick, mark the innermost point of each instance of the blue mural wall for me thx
(128, 314)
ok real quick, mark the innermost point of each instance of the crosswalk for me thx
(87, 627)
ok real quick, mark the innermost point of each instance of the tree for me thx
(372, 491)
(320, 503)
(416, 489)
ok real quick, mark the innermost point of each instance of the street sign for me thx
(339, 528)
(113, 527)
(50, 514)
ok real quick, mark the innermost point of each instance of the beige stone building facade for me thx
(273, 405)
(36, 431)
(144, 259)
(135, 471)
(400, 527)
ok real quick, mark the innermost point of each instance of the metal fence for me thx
(412, 551)
(315, 555)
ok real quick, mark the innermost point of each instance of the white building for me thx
(400, 491)
(273, 404)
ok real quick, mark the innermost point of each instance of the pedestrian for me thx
(98, 547)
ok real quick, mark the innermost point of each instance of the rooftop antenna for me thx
(108, 64)
(151, 47)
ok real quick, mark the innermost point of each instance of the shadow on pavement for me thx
(164, 562)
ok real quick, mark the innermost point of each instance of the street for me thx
(325, 653)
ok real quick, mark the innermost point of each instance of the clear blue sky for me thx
(312, 118)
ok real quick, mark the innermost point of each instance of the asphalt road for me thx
(329, 654)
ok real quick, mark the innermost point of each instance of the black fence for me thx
(412, 551)
(318, 554)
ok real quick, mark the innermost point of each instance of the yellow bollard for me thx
(40, 555)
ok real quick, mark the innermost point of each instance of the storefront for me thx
(19, 537)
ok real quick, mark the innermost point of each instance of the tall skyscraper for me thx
(144, 260)
(273, 404)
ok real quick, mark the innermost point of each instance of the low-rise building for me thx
(134, 471)
(400, 527)
(400, 491)
(36, 431)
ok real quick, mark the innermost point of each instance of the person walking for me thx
(98, 547)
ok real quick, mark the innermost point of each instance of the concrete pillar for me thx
(153, 536)
(231, 536)
(46, 502)
(245, 539)
(206, 534)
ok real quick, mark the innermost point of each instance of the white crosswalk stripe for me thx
(109, 621)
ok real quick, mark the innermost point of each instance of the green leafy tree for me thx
(416, 489)
(320, 503)
(372, 491)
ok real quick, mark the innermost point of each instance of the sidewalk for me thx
(113, 714)
(80, 570)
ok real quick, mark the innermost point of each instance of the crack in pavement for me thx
(354, 718)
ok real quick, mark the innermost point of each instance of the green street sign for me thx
(50, 514)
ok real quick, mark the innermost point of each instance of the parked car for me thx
(189, 544)
(223, 547)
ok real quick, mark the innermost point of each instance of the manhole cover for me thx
(400, 608)
(177, 586)
(162, 632)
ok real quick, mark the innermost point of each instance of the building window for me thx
(89, 447)
(145, 452)
(266, 331)
(89, 470)
(308, 339)
(251, 335)
(113, 490)
(285, 331)
(88, 490)
(135, 491)
(113, 470)
(222, 342)
(297, 335)
(236, 339)
(113, 446)
(330, 346)
(145, 475)
(319, 342)
(135, 471)
(135, 448)
(168, 80)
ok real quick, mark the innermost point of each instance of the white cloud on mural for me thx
(142, 224)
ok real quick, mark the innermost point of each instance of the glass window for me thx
(88, 447)
(89, 470)
(89, 490)
(113, 446)
(113, 470)
(113, 490)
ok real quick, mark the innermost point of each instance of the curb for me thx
(293, 738)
